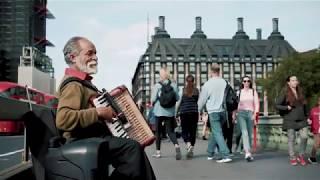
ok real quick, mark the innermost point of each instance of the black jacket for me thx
(296, 118)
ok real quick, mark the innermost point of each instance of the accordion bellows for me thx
(135, 125)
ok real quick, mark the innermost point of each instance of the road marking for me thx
(11, 153)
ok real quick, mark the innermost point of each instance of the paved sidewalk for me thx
(267, 165)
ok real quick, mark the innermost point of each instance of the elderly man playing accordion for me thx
(78, 118)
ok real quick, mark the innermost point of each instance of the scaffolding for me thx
(33, 57)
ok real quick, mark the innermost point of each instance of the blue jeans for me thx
(216, 138)
(244, 119)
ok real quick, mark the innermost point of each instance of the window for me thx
(237, 67)
(180, 57)
(157, 66)
(226, 76)
(169, 57)
(269, 58)
(147, 75)
(147, 93)
(157, 57)
(170, 67)
(181, 67)
(146, 58)
(236, 57)
(225, 57)
(192, 68)
(237, 80)
(203, 58)
(147, 67)
(192, 57)
(204, 67)
(258, 58)
(248, 67)
(226, 68)
(181, 79)
(269, 67)
(214, 58)
(157, 77)
(259, 70)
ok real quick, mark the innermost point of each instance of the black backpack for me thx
(231, 99)
(167, 96)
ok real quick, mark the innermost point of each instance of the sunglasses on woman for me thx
(246, 81)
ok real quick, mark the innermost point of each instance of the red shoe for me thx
(293, 162)
(301, 160)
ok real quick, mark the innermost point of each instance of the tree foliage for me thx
(306, 66)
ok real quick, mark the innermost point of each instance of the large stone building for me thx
(237, 56)
(23, 24)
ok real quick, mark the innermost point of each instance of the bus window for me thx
(5, 94)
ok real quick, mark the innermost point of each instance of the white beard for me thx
(90, 67)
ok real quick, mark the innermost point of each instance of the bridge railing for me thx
(269, 134)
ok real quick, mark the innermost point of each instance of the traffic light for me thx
(4, 66)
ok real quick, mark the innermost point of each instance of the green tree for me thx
(306, 66)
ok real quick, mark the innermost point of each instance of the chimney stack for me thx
(259, 37)
(240, 24)
(240, 34)
(160, 32)
(198, 33)
(275, 24)
(161, 23)
(198, 23)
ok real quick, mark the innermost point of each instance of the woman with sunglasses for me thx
(292, 107)
(246, 114)
(189, 115)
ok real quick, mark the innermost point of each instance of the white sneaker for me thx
(224, 160)
(248, 157)
(190, 152)
(210, 158)
(157, 155)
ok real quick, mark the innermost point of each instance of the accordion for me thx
(129, 123)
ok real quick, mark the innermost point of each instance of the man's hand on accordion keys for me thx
(106, 113)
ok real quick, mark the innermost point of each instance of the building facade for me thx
(237, 56)
(23, 24)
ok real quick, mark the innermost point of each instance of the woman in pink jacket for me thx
(248, 107)
(314, 120)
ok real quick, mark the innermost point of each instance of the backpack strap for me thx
(83, 82)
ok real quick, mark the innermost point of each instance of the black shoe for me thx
(204, 138)
(312, 160)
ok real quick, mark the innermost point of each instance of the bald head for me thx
(73, 47)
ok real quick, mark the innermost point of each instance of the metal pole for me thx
(25, 157)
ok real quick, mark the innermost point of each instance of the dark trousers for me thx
(228, 131)
(129, 160)
(170, 124)
(189, 123)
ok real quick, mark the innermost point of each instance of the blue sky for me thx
(119, 28)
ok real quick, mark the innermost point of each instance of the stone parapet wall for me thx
(269, 134)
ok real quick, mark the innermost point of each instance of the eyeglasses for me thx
(246, 81)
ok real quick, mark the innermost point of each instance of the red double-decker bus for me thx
(50, 100)
(16, 91)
